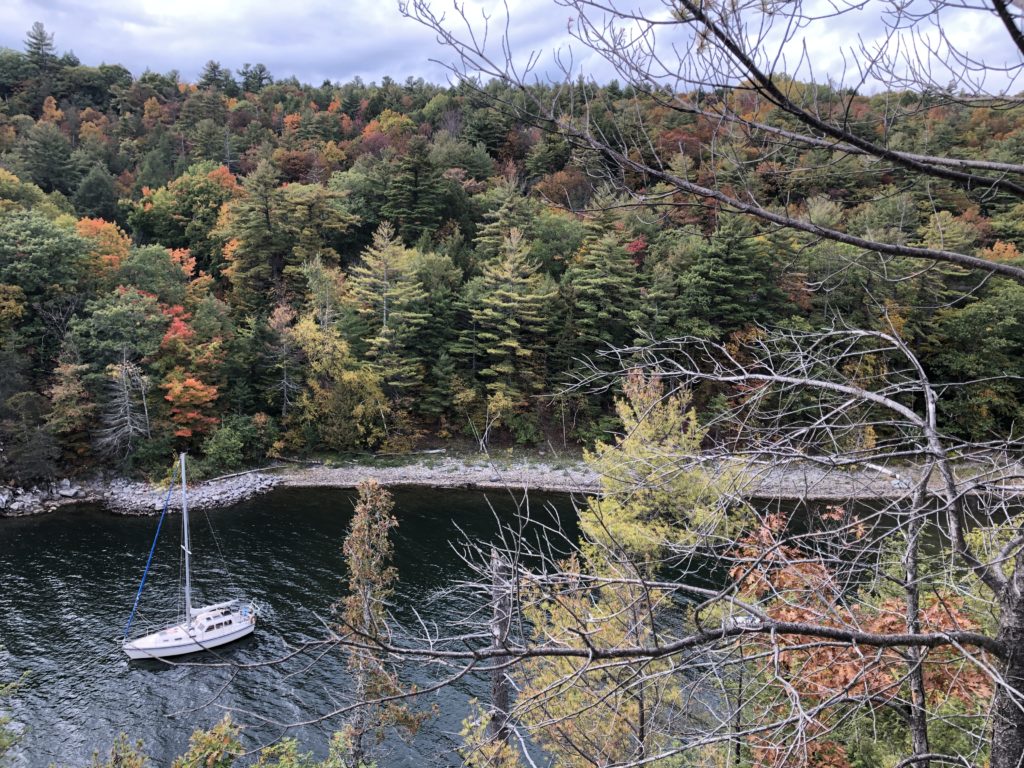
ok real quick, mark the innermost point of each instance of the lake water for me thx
(68, 579)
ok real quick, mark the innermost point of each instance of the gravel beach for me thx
(808, 482)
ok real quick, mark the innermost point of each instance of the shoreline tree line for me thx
(248, 267)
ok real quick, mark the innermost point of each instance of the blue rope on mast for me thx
(149, 560)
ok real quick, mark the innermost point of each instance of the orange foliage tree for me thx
(109, 245)
(191, 402)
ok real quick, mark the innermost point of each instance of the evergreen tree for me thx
(152, 270)
(734, 282)
(96, 195)
(313, 218)
(156, 167)
(258, 245)
(217, 77)
(511, 315)
(414, 199)
(665, 278)
(255, 77)
(441, 280)
(31, 452)
(601, 292)
(389, 297)
(548, 155)
(45, 154)
(513, 211)
(39, 48)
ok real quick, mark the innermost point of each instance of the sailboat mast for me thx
(186, 544)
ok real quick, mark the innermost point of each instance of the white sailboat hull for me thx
(211, 627)
(203, 628)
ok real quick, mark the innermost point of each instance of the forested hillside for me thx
(248, 266)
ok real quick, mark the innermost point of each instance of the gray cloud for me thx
(318, 40)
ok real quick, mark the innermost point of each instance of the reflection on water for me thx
(67, 582)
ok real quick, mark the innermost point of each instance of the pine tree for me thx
(441, 280)
(96, 195)
(389, 297)
(600, 288)
(666, 276)
(39, 48)
(313, 218)
(46, 154)
(513, 212)
(258, 247)
(511, 314)
(255, 77)
(415, 195)
(734, 282)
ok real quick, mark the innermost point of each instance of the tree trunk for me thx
(1008, 707)
(501, 621)
(918, 715)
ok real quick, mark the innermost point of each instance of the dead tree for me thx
(125, 416)
(501, 581)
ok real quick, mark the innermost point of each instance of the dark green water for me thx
(67, 582)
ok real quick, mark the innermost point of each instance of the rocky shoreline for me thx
(126, 497)
(138, 498)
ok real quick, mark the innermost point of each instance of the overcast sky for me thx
(339, 39)
(311, 39)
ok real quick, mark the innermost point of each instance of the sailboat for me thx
(203, 628)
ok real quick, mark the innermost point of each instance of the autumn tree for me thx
(342, 406)
(185, 212)
(191, 403)
(767, 633)
(772, 113)
(108, 245)
(70, 415)
(284, 355)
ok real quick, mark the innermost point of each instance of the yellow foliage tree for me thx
(342, 406)
(654, 493)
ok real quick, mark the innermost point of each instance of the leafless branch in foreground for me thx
(743, 76)
(769, 632)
